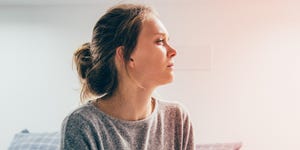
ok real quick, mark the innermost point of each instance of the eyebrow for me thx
(159, 33)
(163, 34)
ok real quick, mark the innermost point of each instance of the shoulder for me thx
(177, 123)
(80, 116)
(174, 108)
(78, 128)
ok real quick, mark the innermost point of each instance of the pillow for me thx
(35, 141)
(219, 146)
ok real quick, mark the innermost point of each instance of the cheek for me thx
(151, 65)
(151, 58)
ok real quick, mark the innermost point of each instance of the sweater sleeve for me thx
(188, 133)
(77, 133)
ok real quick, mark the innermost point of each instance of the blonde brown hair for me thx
(119, 26)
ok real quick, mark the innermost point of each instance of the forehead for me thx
(153, 26)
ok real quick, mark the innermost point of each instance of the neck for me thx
(131, 104)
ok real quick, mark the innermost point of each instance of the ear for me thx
(131, 62)
(119, 55)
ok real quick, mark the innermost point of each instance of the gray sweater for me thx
(167, 128)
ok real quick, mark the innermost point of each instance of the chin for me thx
(168, 80)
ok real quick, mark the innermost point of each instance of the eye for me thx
(160, 41)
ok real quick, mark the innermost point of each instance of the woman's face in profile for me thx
(152, 63)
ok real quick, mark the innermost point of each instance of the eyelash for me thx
(160, 41)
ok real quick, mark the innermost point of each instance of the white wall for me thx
(38, 86)
(237, 63)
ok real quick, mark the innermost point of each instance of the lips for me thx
(171, 65)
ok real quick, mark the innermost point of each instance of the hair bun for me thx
(83, 60)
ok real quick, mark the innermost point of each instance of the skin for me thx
(150, 66)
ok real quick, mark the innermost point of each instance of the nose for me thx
(171, 52)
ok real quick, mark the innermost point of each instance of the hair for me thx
(95, 63)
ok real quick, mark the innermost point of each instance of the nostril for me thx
(172, 52)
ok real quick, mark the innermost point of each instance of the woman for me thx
(128, 57)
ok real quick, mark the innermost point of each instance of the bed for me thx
(26, 140)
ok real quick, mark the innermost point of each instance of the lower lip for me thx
(171, 67)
